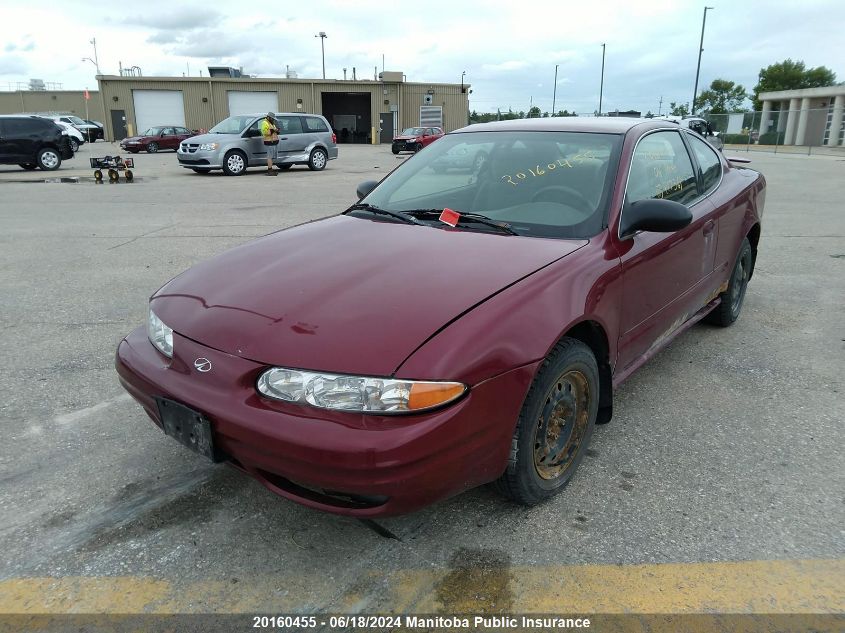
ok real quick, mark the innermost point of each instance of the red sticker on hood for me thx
(450, 217)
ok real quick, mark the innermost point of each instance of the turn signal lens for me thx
(425, 395)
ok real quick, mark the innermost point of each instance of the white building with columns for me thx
(811, 116)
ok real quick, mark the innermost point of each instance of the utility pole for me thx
(554, 92)
(698, 67)
(322, 35)
(96, 59)
(601, 85)
(660, 105)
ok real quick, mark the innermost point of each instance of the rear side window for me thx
(711, 166)
(24, 127)
(290, 125)
(661, 168)
(313, 124)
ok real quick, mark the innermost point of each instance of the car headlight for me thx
(356, 393)
(209, 146)
(160, 335)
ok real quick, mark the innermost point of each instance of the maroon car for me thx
(157, 138)
(441, 334)
(413, 139)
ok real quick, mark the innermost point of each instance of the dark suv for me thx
(30, 141)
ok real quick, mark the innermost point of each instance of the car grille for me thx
(189, 148)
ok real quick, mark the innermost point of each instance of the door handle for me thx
(709, 226)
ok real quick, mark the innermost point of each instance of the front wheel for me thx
(234, 163)
(395, 150)
(152, 148)
(555, 425)
(48, 159)
(318, 159)
(418, 147)
(731, 305)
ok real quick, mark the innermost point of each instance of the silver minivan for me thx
(236, 143)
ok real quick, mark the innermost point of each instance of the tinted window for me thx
(289, 125)
(24, 127)
(313, 124)
(661, 168)
(711, 166)
(182, 130)
(544, 184)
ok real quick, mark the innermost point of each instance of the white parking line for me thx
(73, 416)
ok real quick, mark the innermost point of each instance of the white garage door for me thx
(241, 102)
(158, 107)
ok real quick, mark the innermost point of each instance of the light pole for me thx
(462, 81)
(601, 84)
(95, 60)
(554, 92)
(322, 35)
(700, 51)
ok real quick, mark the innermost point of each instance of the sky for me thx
(508, 50)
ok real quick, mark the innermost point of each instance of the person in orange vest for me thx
(270, 133)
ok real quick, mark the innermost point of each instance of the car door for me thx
(292, 141)
(663, 273)
(17, 143)
(253, 143)
(168, 138)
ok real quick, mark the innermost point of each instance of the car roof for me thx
(263, 114)
(606, 125)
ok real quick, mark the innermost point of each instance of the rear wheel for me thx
(29, 166)
(731, 305)
(234, 163)
(555, 425)
(152, 148)
(318, 159)
(48, 159)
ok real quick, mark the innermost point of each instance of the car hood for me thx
(345, 294)
(135, 139)
(405, 138)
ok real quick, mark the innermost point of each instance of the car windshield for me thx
(412, 131)
(541, 184)
(76, 120)
(153, 131)
(232, 125)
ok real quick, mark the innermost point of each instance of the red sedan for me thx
(157, 138)
(444, 333)
(413, 139)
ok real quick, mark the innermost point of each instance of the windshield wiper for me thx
(364, 206)
(474, 217)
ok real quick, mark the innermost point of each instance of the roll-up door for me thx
(243, 102)
(158, 107)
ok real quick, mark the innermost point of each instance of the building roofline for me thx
(298, 80)
(782, 95)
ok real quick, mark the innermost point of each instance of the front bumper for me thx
(405, 146)
(204, 158)
(345, 463)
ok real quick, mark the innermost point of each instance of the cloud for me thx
(205, 43)
(506, 66)
(12, 65)
(28, 46)
(177, 19)
(163, 37)
(10, 47)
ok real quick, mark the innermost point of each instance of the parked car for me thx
(157, 138)
(236, 143)
(442, 334)
(31, 141)
(413, 139)
(75, 137)
(90, 131)
(699, 126)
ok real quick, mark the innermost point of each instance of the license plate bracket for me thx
(188, 427)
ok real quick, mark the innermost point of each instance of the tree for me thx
(678, 110)
(723, 97)
(790, 75)
(534, 112)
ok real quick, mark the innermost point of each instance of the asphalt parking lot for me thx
(717, 487)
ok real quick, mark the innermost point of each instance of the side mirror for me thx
(365, 188)
(653, 214)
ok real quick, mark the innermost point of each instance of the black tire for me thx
(395, 150)
(152, 148)
(318, 159)
(98, 175)
(728, 310)
(234, 163)
(74, 145)
(133, 151)
(48, 159)
(199, 170)
(285, 166)
(565, 390)
(128, 175)
(29, 166)
(113, 175)
(418, 147)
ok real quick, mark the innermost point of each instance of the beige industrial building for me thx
(811, 116)
(53, 101)
(356, 109)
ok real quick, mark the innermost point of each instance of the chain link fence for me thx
(819, 131)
